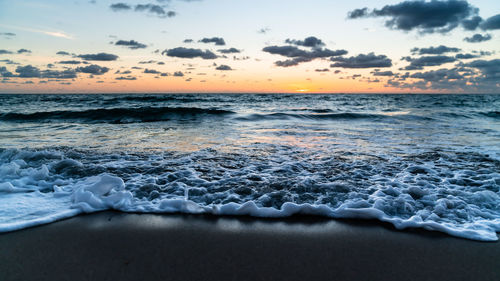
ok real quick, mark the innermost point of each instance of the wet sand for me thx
(116, 246)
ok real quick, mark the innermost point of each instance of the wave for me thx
(328, 116)
(492, 114)
(116, 115)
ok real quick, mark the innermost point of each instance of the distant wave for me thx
(492, 114)
(329, 116)
(115, 115)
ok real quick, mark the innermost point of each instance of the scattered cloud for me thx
(434, 50)
(229, 51)
(70, 62)
(131, 44)
(264, 30)
(189, 53)
(99, 57)
(298, 55)
(478, 38)
(129, 78)
(426, 17)
(178, 74)
(311, 41)
(188, 41)
(362, 61)
(217, 40)
(23, 51)
(63, 53)
(92, 69)
(5, 52)
(30, 71)
(118, 7)
(151, 9)
(223, 67)
(491, 23)
(421, 62)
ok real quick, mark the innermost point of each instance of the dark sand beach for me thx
(117, 246)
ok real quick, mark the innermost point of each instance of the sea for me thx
(413, 160)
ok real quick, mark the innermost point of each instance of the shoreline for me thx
(119, 246)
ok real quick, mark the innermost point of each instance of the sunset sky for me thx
(317, 46)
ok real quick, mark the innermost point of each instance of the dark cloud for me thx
(299, 56)
(322, 70)
(217, 40)
(22, 51)
(154, 9)
(63, 53)
(189, 53)
(466, 56)
(491, 23)
(99, 57)
(7, 61)
(490, 69)
(478, 38)
(5, 52)
(178, 74)
(426, 17)
(188, 41)
(132, 44)
(229, 51)
(311, 41)
(382, 73)
(92, 69)
(147, 62)
(438, 75)
(129, 78)
(223, 67)
(472, 24)
(362, 61)
(70, 62)
(8, 34)
(29, 71)
(151, 71)
(421, 62)
(120, 7)
(435, 50)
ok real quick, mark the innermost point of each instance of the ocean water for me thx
(419, 161)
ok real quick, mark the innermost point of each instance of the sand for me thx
(116, 246)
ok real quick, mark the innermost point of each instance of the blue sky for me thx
(378, 35)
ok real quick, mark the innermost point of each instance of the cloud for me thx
(7, 34)
(63, 53)
(472, 24)
(118, 7)
(129, 78)
(189, 53)
(421, 62)
(438, 75)
(223, 67)
(5, 52)
(322, 70)
(490, 69)
(466, 56)
(491, 23)
(99, 57)
(426, 17)
(263, 30)
(7, 61)
(151, 71)
(382, 73)
(434, 50)
(229, 51)
(92, 69)
(178, 74)
(311, 41)
(298, 55)
(22, 51)
(188, 41)
(70, 62)
(362, 61)
(132, 44)
(147, 62)
(29, 71)
(478, 38)
(217, 40)
(154, 9)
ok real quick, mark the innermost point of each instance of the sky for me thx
(227, 46)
